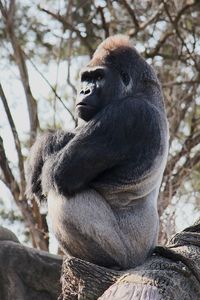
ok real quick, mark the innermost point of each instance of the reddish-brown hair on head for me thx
(111, 44)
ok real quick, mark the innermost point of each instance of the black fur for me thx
(114, 148)
(119, 151)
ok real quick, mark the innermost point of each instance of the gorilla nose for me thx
(85, 91)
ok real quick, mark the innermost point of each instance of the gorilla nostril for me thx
(87, 92)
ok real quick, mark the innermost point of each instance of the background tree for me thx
(61, 36)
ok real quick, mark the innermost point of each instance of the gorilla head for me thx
(114, 73)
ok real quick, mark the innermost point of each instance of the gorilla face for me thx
(100, 86)
(89, 98)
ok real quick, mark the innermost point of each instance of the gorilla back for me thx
(102, 180)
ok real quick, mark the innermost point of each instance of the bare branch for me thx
(160, 43)
(69, 26)
(173, 182)
(187, 82)
(174, 23)
(69, 64)
(20, 61)
(180, 115)
(188, 145)
(184, 171)
(143, 25)
(104, 24)
(3, 10)
(132, 14)
(189, 4)
(11, 9)
(52, 88)
(153, 17)
(4, 181)
(16, 140)
(7, 173)
(69, 46)
(8, 177)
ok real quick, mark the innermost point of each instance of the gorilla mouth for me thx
(81, 104)
(84, 105)
(85, 111)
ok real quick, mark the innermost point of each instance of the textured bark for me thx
(86, 280)
(26, 273)
(172, 272)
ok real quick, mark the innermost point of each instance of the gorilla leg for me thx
(139, 225)
(86, 228)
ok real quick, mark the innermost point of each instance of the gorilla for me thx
(101, 181)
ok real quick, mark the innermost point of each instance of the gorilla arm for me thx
(125, 133)
(45, 145)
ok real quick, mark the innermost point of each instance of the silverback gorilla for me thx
(102, 180)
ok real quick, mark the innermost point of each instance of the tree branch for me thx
(187, 82)
(69, 26)
(104, 24)
(37, 234)
(132, 14)
(20, 61)
(174, 23)
(184, 170)
(143, 25)
(160, 43)
(51, 87)
(69, 50)
(16, 141)
(7, 173)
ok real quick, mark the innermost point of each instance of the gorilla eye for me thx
(99, 77)
(125, 77)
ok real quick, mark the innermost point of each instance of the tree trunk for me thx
(172, 272)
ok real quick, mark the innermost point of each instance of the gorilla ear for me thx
(125, 77)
